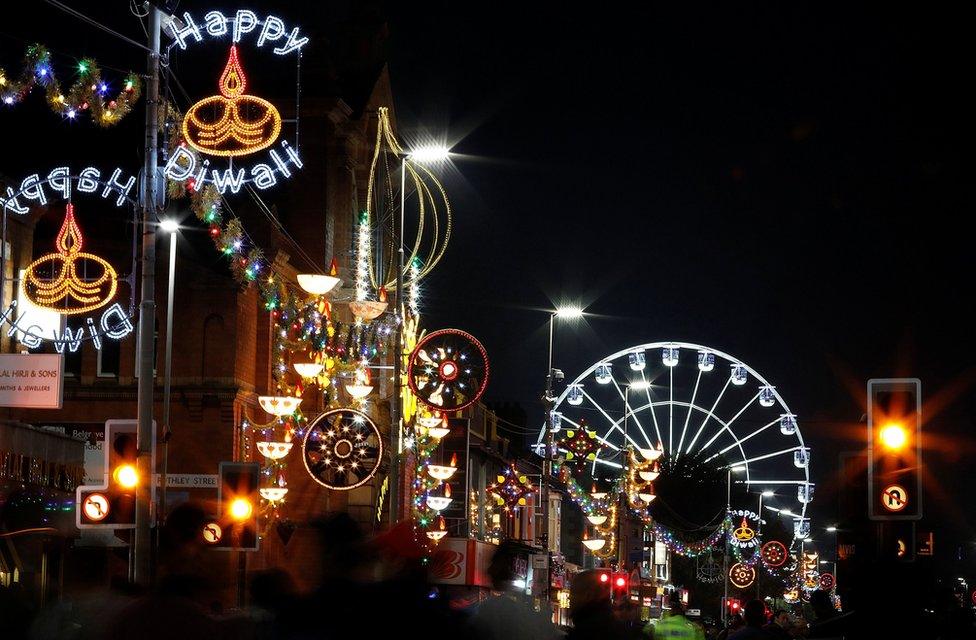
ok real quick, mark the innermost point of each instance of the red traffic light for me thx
(604, 577)
(621, 582)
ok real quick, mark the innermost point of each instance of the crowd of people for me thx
(378, 588)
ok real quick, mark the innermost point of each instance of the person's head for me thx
(755, 613)
(821, 604)
(587, 593)
(782, 618)
(677, 607)
(501, 569)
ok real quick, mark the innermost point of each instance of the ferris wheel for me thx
(689, 399)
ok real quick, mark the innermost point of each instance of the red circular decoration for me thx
(774, 553)
(448, 370)
(742, 575)
(827, 581)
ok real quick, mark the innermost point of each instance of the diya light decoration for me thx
(774, 554)
(366, 310)
(640, 492)
(745, 535)
(318, 284)
(273, 494)
(593, 544)
(439, 503)
(511, 489)
(362, 386)
(233, 123)
(439, 532)
(434, 425)
(578, 445)
(742, 575)
(69, 289)
(279, 405)
(273, 450)
(443, 472)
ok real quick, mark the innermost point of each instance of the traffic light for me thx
(112, 505)
(237, 503)
(605, 576)
(732, 606)
(894, 449)
(620, 586)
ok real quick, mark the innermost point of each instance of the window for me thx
(109, 358)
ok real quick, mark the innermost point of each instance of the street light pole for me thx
(141, 548)
(397, 408)
(171, 227)
(548, 402)
(725, 547)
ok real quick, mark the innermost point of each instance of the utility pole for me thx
(141, 547)
(548, 402)
(396, 411)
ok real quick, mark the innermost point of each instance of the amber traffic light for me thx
(894, 449)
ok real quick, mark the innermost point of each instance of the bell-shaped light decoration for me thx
(805, 493)
(273, 494)
(603, 374)
(669, 356)
(273, 450)
(706, 360)
(801, 457)
(801, 528)
(279, 405)
(787, 424)
(739, 375)
(439, 503)
(646, 497)
(767, 397)
(575, 395)
(596, 519)
(308, 369)
(637, 360)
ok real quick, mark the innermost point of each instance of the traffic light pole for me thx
(141, 547)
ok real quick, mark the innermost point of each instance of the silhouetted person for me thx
(508, 615)
(754, 615)
(778, 628)
(589, 607)
(828, 623)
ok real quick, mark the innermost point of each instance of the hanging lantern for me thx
(273, 494)
(767, 397)
(273, 450)
(308, 369)
(593, 544)
(652, 475)
(439, 503)
(316, 284)
(596, 519)
(361, 387)
(653, 454)
(597, 495)
(279, 405)
(440, 532)
(442, 472)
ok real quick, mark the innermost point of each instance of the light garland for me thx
(88, 93)
(66, 285)
(244, 136)
(363, 257)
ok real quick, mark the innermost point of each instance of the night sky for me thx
(786, 184)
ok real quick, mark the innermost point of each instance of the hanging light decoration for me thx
(367, 310)
(511, 489)
(273, 450)
(596, 519)
(361, 387)
(651, 475)
(440, 532)
(593, 544)
(653, 454)
(308, 369)
(279, 405)
(442, 472)
(273, 494)
(439, 503)
(579, 446)
(317, 284)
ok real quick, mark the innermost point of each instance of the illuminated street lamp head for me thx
(768, 494)
(738, 469)
(240, 509)
(831, 529)
(169, 225)
(126, 475)
(893, 436)
(569, 313)
(432, 153)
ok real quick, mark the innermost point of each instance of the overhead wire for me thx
(95, 23)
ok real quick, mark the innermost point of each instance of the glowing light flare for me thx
(126, 476)
(317, 284)
(240, 509)
(893, 436)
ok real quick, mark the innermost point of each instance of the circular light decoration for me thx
(342, 449)
(710, 571)
(78, 282)
(811, 581)
(448, 370)
(827, 581)
(774, 554)
(578, 445)
(742, 575)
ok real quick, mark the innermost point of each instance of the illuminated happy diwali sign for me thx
(234, 124)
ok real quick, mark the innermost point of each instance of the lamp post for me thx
(762, 494)
(423, 154)
(549, 402)
(170, 226)
(725, 551)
